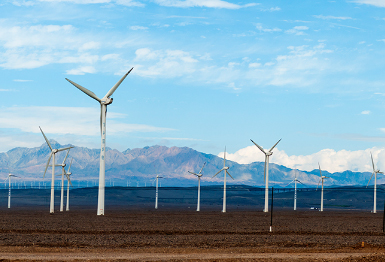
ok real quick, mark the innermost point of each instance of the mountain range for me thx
(139, 167)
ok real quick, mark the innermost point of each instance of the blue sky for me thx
(207, 74)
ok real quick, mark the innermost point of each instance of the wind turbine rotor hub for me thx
(55, 151)
(107, 101)
(225, 168)
(269, 153)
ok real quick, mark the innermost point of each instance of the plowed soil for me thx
(188, 235)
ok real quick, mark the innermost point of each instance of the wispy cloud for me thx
(297, 30)
(378, 3)
(330, 17)
(202, 3)
(137, 27)
(79, 120)
(365, 112)
(262, 29)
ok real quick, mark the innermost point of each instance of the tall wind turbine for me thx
(68, 175)
(9, 188)
(295, 189)
(224, 169)
(322, 191)
(52, 154)
(375, 172)
(266, 172)
(62, 181)
(156, 194)
(199, 186)
(106, 100)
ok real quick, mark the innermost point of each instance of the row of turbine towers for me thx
(107, 100)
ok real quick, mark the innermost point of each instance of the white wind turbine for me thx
(62, 181)
(68, 174)
(199, 175)
(156, 194)
(375, 172)
(9, 188)
(106, 100)
(295, 189)
(322, 190)
(224, 169)
(266, 172)
(52, 154)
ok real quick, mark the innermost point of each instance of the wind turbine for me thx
(106, 100)
(266, 172)
(62, 181)
(199, 186)
(224, 169)
(156, 194)
(375, 172)
(295, 189)
(68, 174)
(52, 154)
(9, 183)
(322, 191)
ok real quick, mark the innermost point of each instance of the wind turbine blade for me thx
(290, 182)
(370, 179)
(65, 148)
(319, 167)
(46, 139)
(69, 168)
(274, 145)
(85, 90)
(49, 159)
(202, 168)
(66, 156)
(300, 182)
(69, 180)
(218, 172)
(318, 183)
(192, 173)
(229, 174)
(260, 148)
(101, 116)
(112, 90)
(372, 161)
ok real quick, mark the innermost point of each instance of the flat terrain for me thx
(140, 234)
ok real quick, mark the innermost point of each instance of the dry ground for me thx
(142, 235)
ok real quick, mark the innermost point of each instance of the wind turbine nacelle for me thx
(107, 100)
(269, 153)
(225, 168)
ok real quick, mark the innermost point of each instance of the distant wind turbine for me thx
(62, 181)
(9, 188)
(52, 154)
(106, 100)
(266, 172)
(199, 175)
(322, 190)
(295, 189)
(156, 192)
(68, 175)
(375, 172)
(224, 169)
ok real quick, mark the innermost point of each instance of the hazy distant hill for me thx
(140, 165)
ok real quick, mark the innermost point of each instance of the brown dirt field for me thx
(142, 235)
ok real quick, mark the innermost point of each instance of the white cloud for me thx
(329, 159)
(365, 112)
(82, 121)
(81, 70)
(378, 3)
(137, 27)
(262, 29)
(328, 17)
(297, 30)
(201, 3)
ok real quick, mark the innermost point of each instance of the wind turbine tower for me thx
(68, 175)
(375, 172)
(266, 172)
(156, 192)
(106, 100)
(225, 171)
(62, 181)
(9, 188)
(322, 190)
(199, 175)
(52, 154)
(295, 189)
